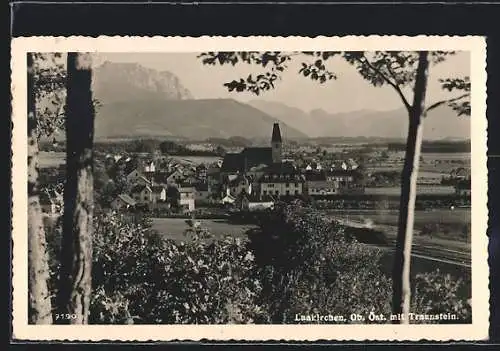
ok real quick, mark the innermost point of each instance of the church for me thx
(254, 158)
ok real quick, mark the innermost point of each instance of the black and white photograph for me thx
(250, 188)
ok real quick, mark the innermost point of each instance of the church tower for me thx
(276, 143)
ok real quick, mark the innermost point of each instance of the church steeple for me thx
(276, 137)
(276, 143)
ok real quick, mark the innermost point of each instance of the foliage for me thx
(297, 263)
(437, 293)
(310, 264)
(50, 92)
(160, 281)
(393, 68)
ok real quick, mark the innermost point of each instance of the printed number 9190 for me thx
(65, 316)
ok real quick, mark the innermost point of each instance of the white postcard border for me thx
(478, 330)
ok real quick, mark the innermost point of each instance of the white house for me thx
(187, 197)
(158, 194)
(150, 167)
(322, 188)
(240, 184)
(256, 203)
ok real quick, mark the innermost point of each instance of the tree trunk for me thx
(76, 250)
(402, 257)
(39, 305)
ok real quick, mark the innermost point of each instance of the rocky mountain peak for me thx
(120, 81)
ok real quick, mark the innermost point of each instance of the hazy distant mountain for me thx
(139, 102)
(292, 116)
(115, 82)
(441, 123)
(193, 119)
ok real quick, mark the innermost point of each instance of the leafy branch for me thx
(461, 103)
(378, 72)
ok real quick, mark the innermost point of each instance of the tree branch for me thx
(391, 83)
(439, 103)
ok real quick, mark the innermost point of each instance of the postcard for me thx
(249, 188)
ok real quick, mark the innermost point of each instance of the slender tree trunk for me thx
(76, 250)
(40, 309)
(402, 258)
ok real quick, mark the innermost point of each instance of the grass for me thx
(174, 228)
(421, 190)
(51, 159)
(197, 159)
(443, 216)
(451, 222)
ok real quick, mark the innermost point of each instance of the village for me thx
(254, 178)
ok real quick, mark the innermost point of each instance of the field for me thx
(174, 228)
(421, 190)
(197, 159)
(51, 159)
(460, 216)
(431, 156)
(447, 224)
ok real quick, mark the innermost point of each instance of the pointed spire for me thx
(276, 137)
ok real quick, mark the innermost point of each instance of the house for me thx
(134, 175)
(228, 199)
(352, 164)
(239, 184)
(339, 165)
(190, 179)
(201, 171)
(143, 180)
(459, 173)
(123, 201)
(158, 194)
(202, 192)
(281, 180)
(150, 167)
(187, 197)
(317, 184)
(175, 176)
(254, 202)
(349, 181)
(213, 178)
(141, 193)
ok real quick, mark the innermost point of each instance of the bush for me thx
(436, 293)
(309, 264)
(150, 280)
(297, 262)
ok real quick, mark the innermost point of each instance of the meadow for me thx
(197, 159)
(51, 159)
(174, 228)
(460, 216)
(421, 190)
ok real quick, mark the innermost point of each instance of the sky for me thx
(349, 92)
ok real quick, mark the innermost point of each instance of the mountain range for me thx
(141, 102)
(441, 123)
(136, 101)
